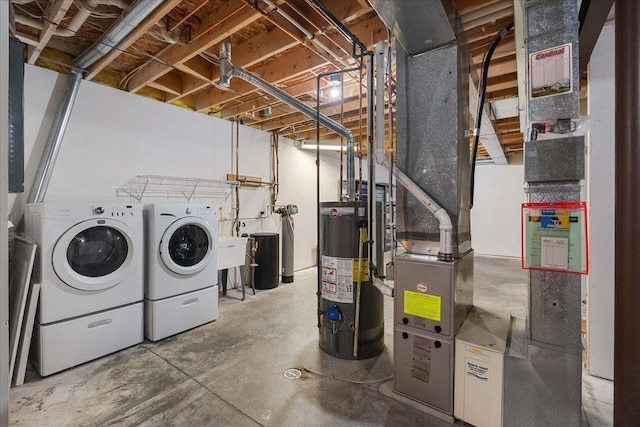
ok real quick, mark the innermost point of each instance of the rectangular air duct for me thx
(432, 120)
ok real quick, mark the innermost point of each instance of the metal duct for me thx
(432, 144)
(54, 140)
(118, 32)
(418, 25)
(280, 95)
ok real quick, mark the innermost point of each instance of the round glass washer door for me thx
(94, 255)
(186, 245)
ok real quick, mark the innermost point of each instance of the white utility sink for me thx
(231, 251)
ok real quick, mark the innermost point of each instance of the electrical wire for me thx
(481, 95)
(348, 380)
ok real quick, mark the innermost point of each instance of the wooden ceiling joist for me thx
(291, 65)
(55, 13)
(246, 54)
(268, 44)
(140, 30)
(212, 34)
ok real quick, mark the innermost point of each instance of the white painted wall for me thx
(495, 217)
(114, 136)
(601, 202)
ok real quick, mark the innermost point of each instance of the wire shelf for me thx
(175, 187)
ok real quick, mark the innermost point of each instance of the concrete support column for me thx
(626, 410)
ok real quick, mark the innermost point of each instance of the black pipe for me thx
(341, 27)
(318, 255)
(482, 91)
(372, 193)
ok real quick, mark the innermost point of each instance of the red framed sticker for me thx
(554, 237)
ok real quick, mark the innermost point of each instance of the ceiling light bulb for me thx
(334, 92)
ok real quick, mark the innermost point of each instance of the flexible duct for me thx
(137, 13)
(28, 21)
(253, 79)
(81, 16)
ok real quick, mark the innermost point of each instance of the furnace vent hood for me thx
(419, 25)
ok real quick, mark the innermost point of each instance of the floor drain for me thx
(292, 374)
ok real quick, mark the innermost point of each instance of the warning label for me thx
(421, 359)
(423, 305)
(337, 279)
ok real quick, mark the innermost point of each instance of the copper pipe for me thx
(189, 15)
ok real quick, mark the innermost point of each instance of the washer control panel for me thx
(200, 210)
(118, 211)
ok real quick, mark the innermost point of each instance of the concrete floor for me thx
(230, 372)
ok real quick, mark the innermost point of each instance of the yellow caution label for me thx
(423, 305)
(361, 270)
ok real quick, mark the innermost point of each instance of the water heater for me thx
(350, 309)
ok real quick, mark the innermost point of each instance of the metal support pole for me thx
(627, 232)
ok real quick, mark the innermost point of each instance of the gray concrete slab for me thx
(230, 372)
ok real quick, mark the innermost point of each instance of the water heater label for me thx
(337, 279)
(423, 305)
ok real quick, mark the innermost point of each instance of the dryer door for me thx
(187, 245)
(93, 255)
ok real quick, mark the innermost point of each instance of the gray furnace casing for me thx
(432, 299)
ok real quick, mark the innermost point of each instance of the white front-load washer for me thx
(181, 274)
(89, 263)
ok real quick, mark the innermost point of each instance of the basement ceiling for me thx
(173, 56)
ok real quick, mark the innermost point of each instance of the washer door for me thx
(93, 255)
(186, 246)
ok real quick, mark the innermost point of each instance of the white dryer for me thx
(89, 263)
(181, 274)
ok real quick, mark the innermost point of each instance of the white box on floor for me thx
(479, 368)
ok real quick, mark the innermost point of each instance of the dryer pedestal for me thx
(65, 344)
(173, 315)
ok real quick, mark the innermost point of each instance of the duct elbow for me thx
(444, 219)
(383, 287)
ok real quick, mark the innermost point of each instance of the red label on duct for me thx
(333, 213)
(421, 287)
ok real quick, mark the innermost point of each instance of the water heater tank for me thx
(343, 268)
